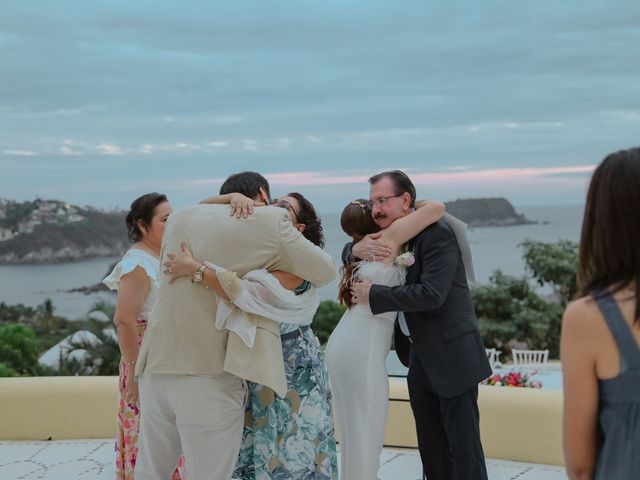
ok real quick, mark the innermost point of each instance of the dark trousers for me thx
(448, 429)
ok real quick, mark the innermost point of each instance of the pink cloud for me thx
(499, 175)
(426, 178)
(490, 176)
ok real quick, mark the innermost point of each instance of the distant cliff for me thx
(486, 212)
(90, 234)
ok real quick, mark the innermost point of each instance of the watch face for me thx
(198, 276)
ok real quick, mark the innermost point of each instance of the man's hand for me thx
(360, 292)
(371, 248)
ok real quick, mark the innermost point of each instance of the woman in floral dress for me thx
(134, 278)
(290, 438)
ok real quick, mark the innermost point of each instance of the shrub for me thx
(18, 350)
(326, 318)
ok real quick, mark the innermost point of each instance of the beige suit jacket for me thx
(181, 336)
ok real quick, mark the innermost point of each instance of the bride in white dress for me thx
(359, 345)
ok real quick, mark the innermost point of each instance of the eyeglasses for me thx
(286, 205)
(382, 201)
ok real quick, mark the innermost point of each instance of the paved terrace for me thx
(94, 459)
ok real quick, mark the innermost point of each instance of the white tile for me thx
(94, 459)
(10, 451)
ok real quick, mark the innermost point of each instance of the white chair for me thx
(492, 355)
(530, 358)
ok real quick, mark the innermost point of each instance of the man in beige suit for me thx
(191, 390)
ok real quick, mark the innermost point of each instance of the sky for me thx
(103, 101)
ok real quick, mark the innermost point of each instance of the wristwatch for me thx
(198, 275)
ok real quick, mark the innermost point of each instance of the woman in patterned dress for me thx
(290, 438)
(134, 278)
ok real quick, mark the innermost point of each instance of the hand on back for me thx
(242, 206)
(372, 248)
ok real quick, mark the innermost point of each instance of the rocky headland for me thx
(486, 212)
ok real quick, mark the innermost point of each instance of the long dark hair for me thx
(142, 209)
(357, 222)
(610, 240)
(307, 215)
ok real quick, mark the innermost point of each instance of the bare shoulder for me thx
(582, 319)
(577, 311)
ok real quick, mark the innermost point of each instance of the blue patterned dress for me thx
(291, 438)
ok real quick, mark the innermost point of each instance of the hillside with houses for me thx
(45, 231)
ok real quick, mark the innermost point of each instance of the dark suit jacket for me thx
(439, 313)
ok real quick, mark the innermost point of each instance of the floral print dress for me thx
(291, 438)
(128, 423)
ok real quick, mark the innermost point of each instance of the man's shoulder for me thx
(206, 211)
(439, 229)
(271, 211)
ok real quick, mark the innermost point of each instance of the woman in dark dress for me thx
(600, 343)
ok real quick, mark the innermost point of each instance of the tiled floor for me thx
(93, 459)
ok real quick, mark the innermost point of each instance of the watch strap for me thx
(198, 275)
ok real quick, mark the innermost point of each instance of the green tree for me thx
(6, 371)
(18, 349)
(554, 264)
(509, 310)
(326, 318)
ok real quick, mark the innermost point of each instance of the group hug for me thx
(221, 376)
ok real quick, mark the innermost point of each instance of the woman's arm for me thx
(254, 293)
(241, 206)
(580, 392)
(133, 289)
(185, 265)
(287, 280)
(407, 227)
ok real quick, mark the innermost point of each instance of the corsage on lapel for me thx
(405, 260)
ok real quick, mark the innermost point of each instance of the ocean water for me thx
(492, 248)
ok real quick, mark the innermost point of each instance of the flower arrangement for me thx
(513, 379)
(405, 260)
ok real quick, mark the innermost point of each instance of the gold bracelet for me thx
(130, 363)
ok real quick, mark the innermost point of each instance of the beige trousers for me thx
(198, 416)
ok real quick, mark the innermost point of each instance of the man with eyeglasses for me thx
(437, 334)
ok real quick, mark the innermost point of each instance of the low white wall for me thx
(41, 408)
(520, 424)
